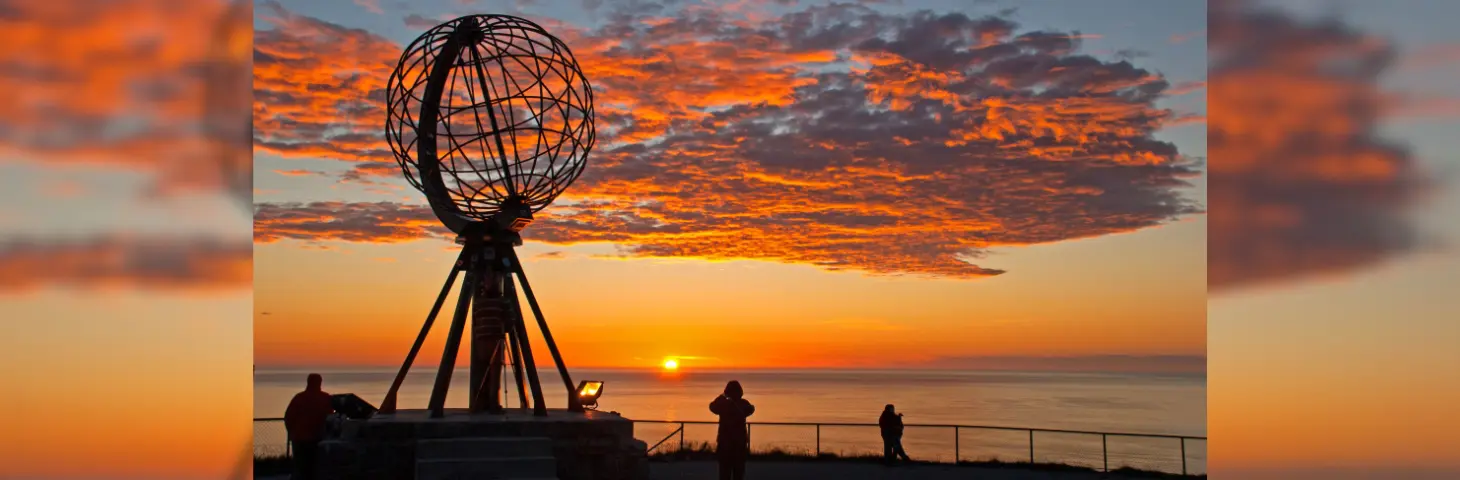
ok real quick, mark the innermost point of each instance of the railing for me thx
(957, 434)
(270, 440)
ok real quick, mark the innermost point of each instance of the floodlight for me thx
(589, 391)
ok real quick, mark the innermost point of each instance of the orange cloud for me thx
(1420, 106)
(1185, 37)
(382, 222)
(1443, 55)
(298, 173)
(1184, 88)
(1186, 119)
(64, 189)
(319, 88)
(125, 262)
(152, 85)
(837, 136)
(372, 6)
(1301, 181)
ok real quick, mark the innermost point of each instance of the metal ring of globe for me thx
(501, 129)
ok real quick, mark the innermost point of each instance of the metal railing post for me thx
(672, 434)
(1031, 447)
(1104, 452)
(818, 439)
(1183, 456)
(955, 444)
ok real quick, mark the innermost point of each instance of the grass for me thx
(271, 465)
(704, 451)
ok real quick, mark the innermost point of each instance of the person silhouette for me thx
(891, 423)
(732, 441)
(304, 420)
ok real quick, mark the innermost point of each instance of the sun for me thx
(671, 364)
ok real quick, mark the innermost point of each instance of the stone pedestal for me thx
(585, 446)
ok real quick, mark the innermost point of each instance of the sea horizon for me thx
(628, 388)
(415, 369)
(1181, 365)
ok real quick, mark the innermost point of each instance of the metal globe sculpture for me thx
(491, 118)
(515, 120)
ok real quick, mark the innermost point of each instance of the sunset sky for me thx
(126, 273)
(775, 185)
(1332, 308)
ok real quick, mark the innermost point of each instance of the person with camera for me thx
(732, 442)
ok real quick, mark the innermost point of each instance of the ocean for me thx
(1144, 403)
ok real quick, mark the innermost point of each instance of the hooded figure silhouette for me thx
(304, 419)
(891, 423)
(733, 442)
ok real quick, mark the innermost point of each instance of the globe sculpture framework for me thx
(491, 118)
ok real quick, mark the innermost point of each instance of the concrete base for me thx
(515, 444)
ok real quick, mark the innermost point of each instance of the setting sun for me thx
(671, 364)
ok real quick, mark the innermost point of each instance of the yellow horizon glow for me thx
(671, 364)
(614, 313)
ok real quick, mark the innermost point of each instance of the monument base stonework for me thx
(512, 445)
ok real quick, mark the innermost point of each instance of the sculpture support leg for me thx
(488, 335)
(539, 407)
(485, 393)
(573, 403)
(453, 339)
(388, 406)
(515, 338)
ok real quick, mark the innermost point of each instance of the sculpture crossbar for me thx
(491, 118)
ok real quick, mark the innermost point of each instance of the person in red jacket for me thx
(304, 419)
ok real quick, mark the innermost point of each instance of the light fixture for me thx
(352, 406)
(588, 393)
